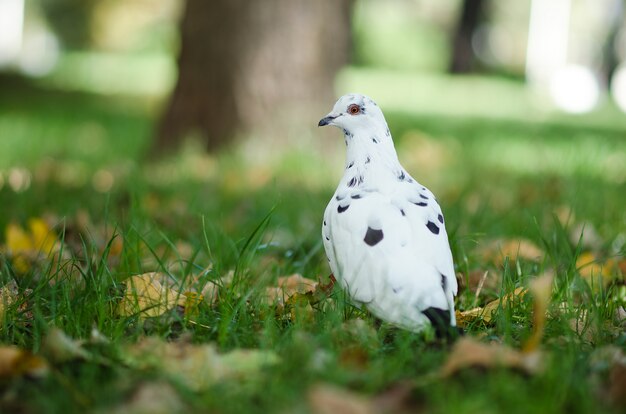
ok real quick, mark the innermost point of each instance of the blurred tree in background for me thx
(245, 64)
(71, 20)
(463, 58)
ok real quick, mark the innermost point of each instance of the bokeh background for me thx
(180, 137)
(505, 103)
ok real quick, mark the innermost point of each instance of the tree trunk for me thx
(463, 57)
(245, 65)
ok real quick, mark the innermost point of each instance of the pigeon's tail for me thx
(440, 320)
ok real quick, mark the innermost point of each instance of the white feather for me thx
(410, 268)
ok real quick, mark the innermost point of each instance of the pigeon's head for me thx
(354, 112)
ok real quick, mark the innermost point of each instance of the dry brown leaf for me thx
(398, 399)
(149, 295)
(152, 398)
(58, 347)
(288, 286)
(464, 318)
(586, 235)
(210, 291)
(16, 362)
(198, 366)
(469, 353)
(8, 295)
(497, 250)
(329, 399)
(479, 280)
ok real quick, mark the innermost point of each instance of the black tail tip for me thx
(440, 320)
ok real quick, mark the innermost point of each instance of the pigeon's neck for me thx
(371, 148)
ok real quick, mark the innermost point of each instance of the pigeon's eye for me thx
(354, 109)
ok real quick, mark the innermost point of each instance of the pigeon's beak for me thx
(328, 119)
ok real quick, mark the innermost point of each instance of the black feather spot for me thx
(403, 213)
(327, 238)
(444, 282)
(440, 218)
(388, 133)
(324, 222)
(351, 164)
(432, 227)
(402, 176)
(338, 198)
(374, 140)
(423, 196)
(373, 237)
(341, 209)
(367, 160)
(352, 182)
(421, 204)
(360, 179)
(356, 196)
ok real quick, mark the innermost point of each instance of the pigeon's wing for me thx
(328, 245)
(428, 221)
(385, 255)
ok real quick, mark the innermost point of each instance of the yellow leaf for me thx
(16, 362)
(25, 247)
(43, 238)
(17, 240)
(192, 303)
(594, 270)
(148, 297)
(541, 289)
(18, 243)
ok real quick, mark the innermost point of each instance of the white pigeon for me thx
(383, 232)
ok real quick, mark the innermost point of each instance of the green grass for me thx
(495, 177)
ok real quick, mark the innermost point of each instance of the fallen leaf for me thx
(329, 399)
(596, 271)
(8, 296)
(464, 318)
(477, 280)
(61, 348)
(586, 235)
(210, 291)
(498, 250)
(16, 362)
(470, 353)
(27, 247)
(149, 295)
(151, 398)
(288, 286)
(198, 366)
(398, 398)
(541, 289)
